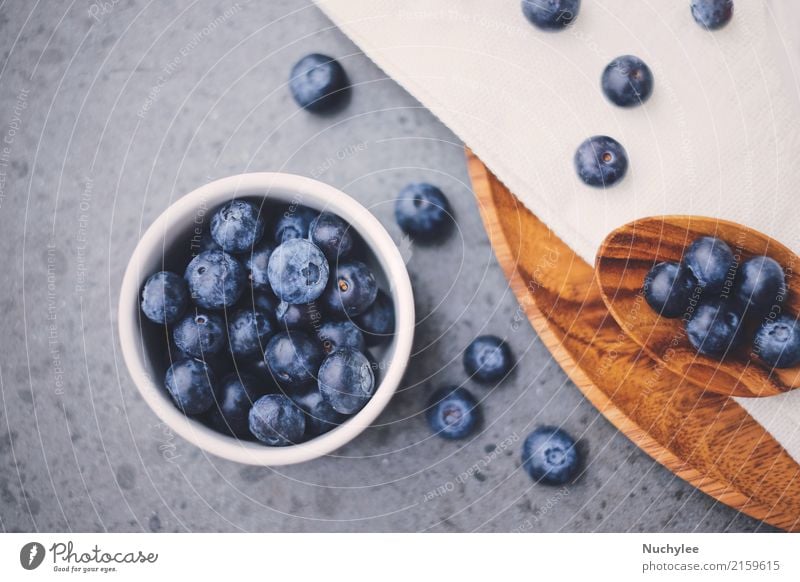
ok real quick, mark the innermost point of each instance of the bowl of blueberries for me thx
(267, 318)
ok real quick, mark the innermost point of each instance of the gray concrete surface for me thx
(110, 111)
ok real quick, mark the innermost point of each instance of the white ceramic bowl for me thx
(176, 227)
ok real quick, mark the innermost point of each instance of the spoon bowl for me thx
(628, 254)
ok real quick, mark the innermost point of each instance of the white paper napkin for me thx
(719, 137)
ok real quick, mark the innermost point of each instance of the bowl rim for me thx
(281, 186)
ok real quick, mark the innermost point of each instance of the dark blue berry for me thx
(320, 416)
(332, 235)
(377, 322)
(165, 297)
(488, 359)
(351, 291)
(668, 287)
(761, 284)
(249, 330)
(551, 14)
(550, 457)
(711, 262)
(293, 358)
(237, 226)
(190, 382)
(712, 14)
(453, 413)
(200, 335)
(716, 328)
(298, 271)
(777, 342)
(235, 396)
(298, 316)
(422, 211)
(318, 83)
(627, 81)
(277, 421)
(337, 335)
(601, 161)
(256, 264)
(294, 222)
(346, 381)
(216, 280)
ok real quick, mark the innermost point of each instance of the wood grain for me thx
(706, 439)
(632, 250)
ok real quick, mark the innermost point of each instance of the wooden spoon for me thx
(629, 252)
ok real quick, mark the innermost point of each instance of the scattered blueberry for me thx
(346, 381)
(249, 330)
(235, 396)
(601, 161)
(337, 335)
(453, 413)
(293, 358)
(761, 283)
(216, 280)
(716, 328)
(488, 359)
(550, 457)
(551, 14)
(352, 289)
(298, 316)
(320, 416)
(627, 81)
(710, 260)
(377, 322)
(256, 264)
(668, 287)
(277, 421)
(422, 211)
(200, 334)
(237, 226)
(318, 83)
(777, 342)
(298, 271)
(712, 14)
(190, 382)
(165, 297)
(294, 223)
(332, 235)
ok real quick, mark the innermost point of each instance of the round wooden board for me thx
(706, 439)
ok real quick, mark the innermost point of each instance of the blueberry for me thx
(165, 297)
(294, 223)
(453, 413)
(298, 316)
(237, 226)
(422, 211)
(550, 457)
(777, 342)
(216, 280)
(716, 328)
(190, 382)
(761, 284)
(346, 381)
(332, 235)
(249, 330)
(320, 416)
(235, 396)
(276, 421)
(298, 271)
(488, 359)
(601, 161)
(668, 287)
(318, 83)
(337, 335)
(265, 301)
(551, 14)
(351, 291)
(293, 358)
(712, 14)
(627, 81)
(256, 264)
(200, 334)
(710, 260)
(377, 322)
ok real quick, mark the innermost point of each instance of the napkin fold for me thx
(720, 135)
